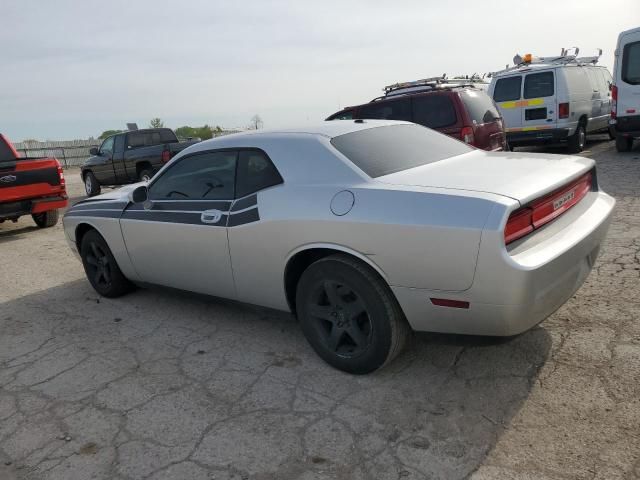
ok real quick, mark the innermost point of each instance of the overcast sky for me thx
(71, 69)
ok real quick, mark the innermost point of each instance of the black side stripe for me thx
(99, 206)
(243, 218)
(185, 205)
(171, 217)
(93, 213)
(246, 202)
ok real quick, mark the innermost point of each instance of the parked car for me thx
(459, 108)
(364, 229)
(130, 157)
(625, 111)
(30, 186)
(553, 100)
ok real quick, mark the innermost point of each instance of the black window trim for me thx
(235, 177)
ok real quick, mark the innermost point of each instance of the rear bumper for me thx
(31, 206)
(538, 137)
(628, 126)
(515, 290)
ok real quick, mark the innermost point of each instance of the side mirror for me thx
(139, 194)
(93, 151)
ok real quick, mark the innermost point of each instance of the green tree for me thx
(203, 133)
(108, 133)
(256, 122)
(156, 123)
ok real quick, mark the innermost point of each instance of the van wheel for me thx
(612, 133)
(623, 144)
(578, 140)
(91, 185)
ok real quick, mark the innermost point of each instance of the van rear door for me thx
(539, 101)
(507, 92)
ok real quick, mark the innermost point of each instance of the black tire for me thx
(46, 219)
(349, 315)
(612, 133)
(578, 140)
(101, 268)
(91, 185)
(145, 175)
(623, 144)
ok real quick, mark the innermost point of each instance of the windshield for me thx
(383, 150)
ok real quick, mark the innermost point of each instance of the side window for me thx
(387, 110)
(255, 172)
(434, 111)
(507, 89)
(135, 140)
(107, 146)
(202, 176)
(631, 63)
(119, 143)
(538, 85)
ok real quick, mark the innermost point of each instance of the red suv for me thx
(462, 111)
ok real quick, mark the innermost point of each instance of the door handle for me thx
(211, 216)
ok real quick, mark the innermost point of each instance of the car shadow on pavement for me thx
(8, 232)
(159, 377)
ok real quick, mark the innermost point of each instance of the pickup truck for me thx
(30, 186)
(129, 157)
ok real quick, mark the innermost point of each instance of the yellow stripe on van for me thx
(523, 103)
(528, 129)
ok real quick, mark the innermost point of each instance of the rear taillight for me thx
(466, 134)
(614, 102)
(563, 110)
(60, 174)
(540, 212)
(166, 156)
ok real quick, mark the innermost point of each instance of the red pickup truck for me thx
(30, 186)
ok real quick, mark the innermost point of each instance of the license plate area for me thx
(535, 114)
(11, 208)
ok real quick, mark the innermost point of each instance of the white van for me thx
(553, 100)
(625, 111)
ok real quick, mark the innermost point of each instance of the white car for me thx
(364, 229)
(553, 100)
(625, 114)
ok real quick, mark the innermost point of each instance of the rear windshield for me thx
(434, 111)
(507, 89)
(631, 63)
(480, 107)
(148, 138)
(386, 110)
(538, 85)
(383, 150)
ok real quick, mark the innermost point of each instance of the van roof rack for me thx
(563, 59)
(435, 82)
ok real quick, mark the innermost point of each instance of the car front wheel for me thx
(349, 315)
(101, 268)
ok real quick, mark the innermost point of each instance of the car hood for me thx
(521, 176)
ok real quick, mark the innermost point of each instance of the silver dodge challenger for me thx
(365, 230)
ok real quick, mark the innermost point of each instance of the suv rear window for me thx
(631, 63)
(148, 138)
(507, 89)
(480, 107)
(386, 110)
(434, 111)
(538, 85)
(383, 150)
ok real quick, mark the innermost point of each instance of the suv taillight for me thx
(563, 110)
(614, 102)
(166, 156)
(466, 134)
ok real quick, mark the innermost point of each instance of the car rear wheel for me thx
(46, 219)
(578, 140)
(349, 315)
(101, 268)
(623, 144)
(91, 185)
(145, 175)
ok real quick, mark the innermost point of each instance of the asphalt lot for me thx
(166, 385)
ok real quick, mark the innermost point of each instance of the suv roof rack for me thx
(563, 59)
(435, 82)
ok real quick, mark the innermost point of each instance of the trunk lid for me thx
(521, 176)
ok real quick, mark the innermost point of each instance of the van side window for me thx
(507, 89)
(631, 63)
(387, 110)
(538, 85)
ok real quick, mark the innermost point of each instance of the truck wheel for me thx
(101, 268)
(623, 144)
(578, 140)
(91, 185)
(612, 133)
(349, 315)
(46, 219)
(145, 175)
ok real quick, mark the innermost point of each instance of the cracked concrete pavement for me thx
(166, 385)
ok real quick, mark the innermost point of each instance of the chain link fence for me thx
(70, 153)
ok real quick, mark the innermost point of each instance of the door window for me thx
(538, 85)
(507, 89)
(202, 176)
(107, 146)
(387, 110)
(434, 111)
(631, 63)
(255, 172)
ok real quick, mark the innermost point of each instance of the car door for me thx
(178, 237)
(103, 170)
(539, 101)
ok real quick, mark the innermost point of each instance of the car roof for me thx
(541, 66)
